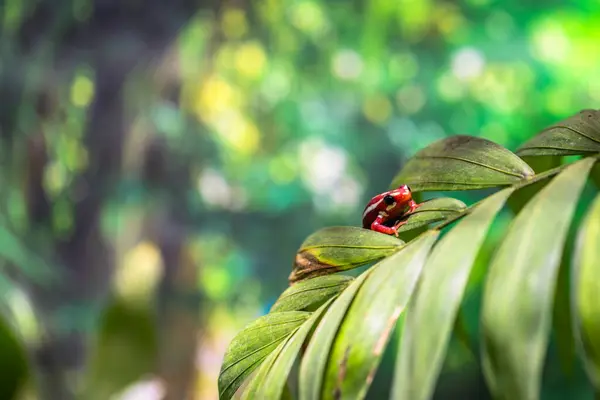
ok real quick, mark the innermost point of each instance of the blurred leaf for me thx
(595, 174)
(316, 356)
(541, 165)
(13, 362)
(310, 294)
(364, 334)
(578, 134)
(433, 310)
(341, 248)
(276, 379)
(433, 211)
(252, 345)
(460, 329)
(461, 163)
(125, 351)
(586, 285)
(517, 302)
(35, 268)
(523, 195)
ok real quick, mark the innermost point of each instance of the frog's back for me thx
(372, 210)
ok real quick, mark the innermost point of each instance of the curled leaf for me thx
(578, 134)
(341, 248)
(365, 331)
(308, 295)
(252, 345)
(462, 163)
(586, 282)
(523, 274)
(433, 211)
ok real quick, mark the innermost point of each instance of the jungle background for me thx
(161, 162)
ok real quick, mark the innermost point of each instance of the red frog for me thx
(388, 207)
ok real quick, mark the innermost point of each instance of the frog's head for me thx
(399, 197)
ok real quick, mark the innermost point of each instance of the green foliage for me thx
(365, 330)
(423, 283)
(523, 275)
(579, 134)
(310, 294)
(438, 299)
(249, 349)
(586, 287)
(339, 249)
(462, 162)
(433, 211)
(13, 363)
(125, 350)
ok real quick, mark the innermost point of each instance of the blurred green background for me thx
(162, 162)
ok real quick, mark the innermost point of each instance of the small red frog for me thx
(387, 208)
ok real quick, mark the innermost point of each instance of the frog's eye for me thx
(389, 200)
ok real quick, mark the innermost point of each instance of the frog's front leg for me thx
(378, 226)
(412, 206)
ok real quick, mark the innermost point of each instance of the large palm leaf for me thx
(341, 325)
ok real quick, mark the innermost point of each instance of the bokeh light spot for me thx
(141, 269)
(308, 17)
(213, 188)
(322, 165)
(234, 24)
(216, 282)
(55, 178)
(238, 132)
(467, 63)
(449, 87)
(250, 60)
(411, 99)
(377, 109)
(283, 169)
(347, 194)
(216, 96)
(550, 42)
(276, 85)
(82, 91)
(347, 64)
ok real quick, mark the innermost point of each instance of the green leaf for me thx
(578, 134)
(433, 310)
(462, 163)
(35, 268)
(310, 294)
(13, 362)
(586, 286)
(365, 331)
(317, 352)
(254, 381)
(276, 379)
(519, 290)
(341, 248)
(125, 350)
(252, 345)
(433, 211)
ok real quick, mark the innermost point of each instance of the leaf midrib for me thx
(474, 163)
